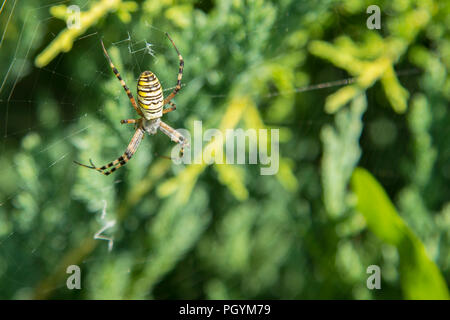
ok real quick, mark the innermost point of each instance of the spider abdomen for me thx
(150, 95)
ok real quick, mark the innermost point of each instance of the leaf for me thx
(341, 154)
(420, 277)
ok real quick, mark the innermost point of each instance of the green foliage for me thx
(340, 155)
(221, 231)
(64, 41)
(421, 278)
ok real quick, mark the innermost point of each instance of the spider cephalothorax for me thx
(150, 107)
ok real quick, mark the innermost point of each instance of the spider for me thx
(150, 108)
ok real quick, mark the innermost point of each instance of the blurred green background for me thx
(364, 176)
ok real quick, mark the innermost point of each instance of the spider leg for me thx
(172, 108)
(180, 73)
(84, 165)
(122, 160)
(122, 82)
(128, 121)
(175, 136)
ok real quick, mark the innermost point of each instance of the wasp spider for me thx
(149, 106)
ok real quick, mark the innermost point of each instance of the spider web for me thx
(20, 87)
(15, 94)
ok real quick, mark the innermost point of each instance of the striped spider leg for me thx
(175, 136)
(180, 73)
(172, 108)
(122, 82)
(123, 159)
(150, 107)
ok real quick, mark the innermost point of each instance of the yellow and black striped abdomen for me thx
(150, 95)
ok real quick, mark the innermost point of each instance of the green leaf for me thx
(420, 277)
